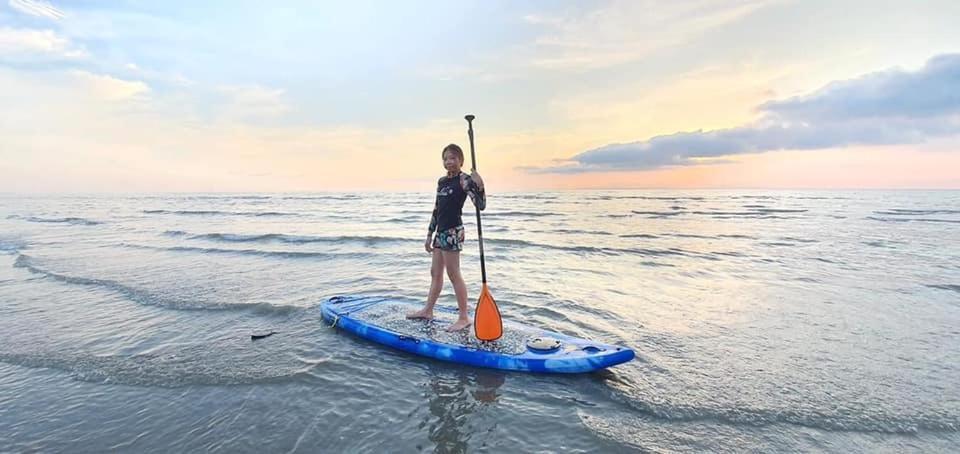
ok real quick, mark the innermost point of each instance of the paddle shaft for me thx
(473, 159)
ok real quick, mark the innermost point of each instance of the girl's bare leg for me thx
(451, 260)
(436, 285)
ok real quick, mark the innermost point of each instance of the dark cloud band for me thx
(885, 108)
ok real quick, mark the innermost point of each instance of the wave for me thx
(596, 250)
(949, 221)
(643, 197)
(565, 202)
(909, 212)
(658, 214)
(884, 219)
(145, 297)
(756, 213)
(639, 235)
(200, 197)
(879, 243)
(526, 214)
(12, 245)
(777, 244)
(753, 217)
(173, 370)
(657, 264)
(495, 228)
(528, 197)
(406, 220)
(220, 213)
(875, 218)
(67, 220)
(798, 240)
(759, 197)
(573, 231)
(833, 420)
(284, 238)
(229, 197)
(691, 235)
(811, 280)
(949, 287)
(257, 252)
(737, 254)
(323, 197)
(752, 212)
(737, 236)
(686, 235)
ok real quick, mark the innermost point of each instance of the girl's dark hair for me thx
(455, 149)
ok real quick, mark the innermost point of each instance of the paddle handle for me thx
(473, 159)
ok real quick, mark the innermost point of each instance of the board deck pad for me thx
(392, 316)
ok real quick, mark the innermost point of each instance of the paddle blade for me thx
(487, 324)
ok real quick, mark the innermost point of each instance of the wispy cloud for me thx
(37, 8)
(25, 43)
(625, 31)
(597, 37)
(253, 101)
(885, 108)
(172, 78)
(58, 128)
(111, 88)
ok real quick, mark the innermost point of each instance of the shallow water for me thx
(762, 321)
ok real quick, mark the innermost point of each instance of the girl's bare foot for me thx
(461, 323)
(422, 314)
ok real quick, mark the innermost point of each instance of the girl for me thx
(452, 192)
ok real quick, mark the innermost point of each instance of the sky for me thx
(218, 96)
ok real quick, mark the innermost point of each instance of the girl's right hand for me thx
(428, 245)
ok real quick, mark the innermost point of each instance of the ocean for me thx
(763, 321)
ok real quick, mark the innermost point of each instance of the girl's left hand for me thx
(477, 179)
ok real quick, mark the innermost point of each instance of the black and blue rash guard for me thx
(452, 192)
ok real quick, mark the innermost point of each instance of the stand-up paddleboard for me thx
(521, 348)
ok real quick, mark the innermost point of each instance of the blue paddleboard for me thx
(522, 347)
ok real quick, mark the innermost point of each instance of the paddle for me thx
(487, 324)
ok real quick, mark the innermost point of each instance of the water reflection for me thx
(454, 394)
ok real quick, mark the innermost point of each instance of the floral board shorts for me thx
(450, 239)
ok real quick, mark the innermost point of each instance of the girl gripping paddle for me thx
(452, 191)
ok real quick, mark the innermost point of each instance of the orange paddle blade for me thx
(487, 324)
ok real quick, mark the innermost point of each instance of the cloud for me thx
(37, 8)
(24, 43)
(172, 78)
(57, 131)
(254, 101)
(112, 88)
(932, 91)
(625, 31)
(893, 107)
(591, 37)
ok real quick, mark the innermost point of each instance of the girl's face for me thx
(451, 161)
